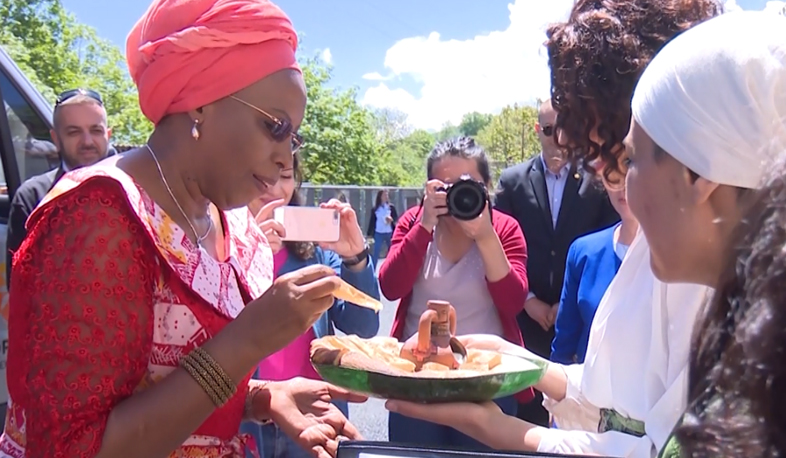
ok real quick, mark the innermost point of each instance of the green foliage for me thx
(58, 53)
(474, 122)
(408, 156)
(341, 144)
(448, 131)
(404, 150)
(510, 137)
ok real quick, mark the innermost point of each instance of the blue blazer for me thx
(589, 269)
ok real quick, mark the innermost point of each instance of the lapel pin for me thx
(577, 175)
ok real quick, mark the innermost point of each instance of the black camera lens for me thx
(466, 199)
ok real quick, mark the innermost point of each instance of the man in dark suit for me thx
(555, 202)
(81, 136)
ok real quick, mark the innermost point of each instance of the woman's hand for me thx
(484, 422)
(466, 417)
(273, 230)
(302, 409)
(435, 204)
(480, 228)
(296, 300)
(350, 240)
(540, 312)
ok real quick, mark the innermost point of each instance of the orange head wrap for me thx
(184, 54)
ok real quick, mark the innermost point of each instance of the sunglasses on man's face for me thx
(547, 130)
(70, 94)
(280, 129)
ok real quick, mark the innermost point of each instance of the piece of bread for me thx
(349, 293)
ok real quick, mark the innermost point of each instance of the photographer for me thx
(454, 248)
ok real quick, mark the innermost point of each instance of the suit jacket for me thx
(585, 208)
(26, 199)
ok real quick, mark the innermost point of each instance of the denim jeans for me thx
(379, 239)
(411, 431)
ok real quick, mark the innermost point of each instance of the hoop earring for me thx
(195, 130)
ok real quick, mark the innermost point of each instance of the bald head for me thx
(553, 156)
(547, 115)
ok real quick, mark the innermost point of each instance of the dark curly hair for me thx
(596, 59)
(737, 388)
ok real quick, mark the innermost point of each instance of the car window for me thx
(35, 152)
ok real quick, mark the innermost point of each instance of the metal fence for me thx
(362, 198)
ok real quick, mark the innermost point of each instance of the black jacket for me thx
(372, 221)
(585, 208)
(26, 199)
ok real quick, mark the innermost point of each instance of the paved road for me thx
(371, 417)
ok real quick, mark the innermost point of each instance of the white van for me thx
(25, 121)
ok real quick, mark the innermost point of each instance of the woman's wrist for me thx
(504, 432)
(258, 402)
(494, 258)
(357, 258)
(482, 427)
(488, 241)
(554, 383)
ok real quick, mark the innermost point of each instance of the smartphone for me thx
(309, 224)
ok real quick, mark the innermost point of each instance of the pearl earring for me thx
(195, 130)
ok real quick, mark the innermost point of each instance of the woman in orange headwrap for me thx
(148, 297)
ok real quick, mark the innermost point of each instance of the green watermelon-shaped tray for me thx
(515, 374)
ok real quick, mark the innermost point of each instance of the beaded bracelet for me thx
(209, 375)
(222, 379)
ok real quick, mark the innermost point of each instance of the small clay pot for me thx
(435, 340)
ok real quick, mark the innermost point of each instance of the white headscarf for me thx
(715, 97)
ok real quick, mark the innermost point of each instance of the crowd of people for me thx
(157, 309)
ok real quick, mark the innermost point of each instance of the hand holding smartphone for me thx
(309, 224)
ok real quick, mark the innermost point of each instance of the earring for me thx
(195, 130)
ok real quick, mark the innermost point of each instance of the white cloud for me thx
(776, 7)
(483, 74)
(731, 5)
(326, 56)
(375, 76)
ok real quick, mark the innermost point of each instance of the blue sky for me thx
(417, 56)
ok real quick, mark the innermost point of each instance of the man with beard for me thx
(555, 202)
(82, 136)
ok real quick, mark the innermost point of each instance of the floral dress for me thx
(115, 294)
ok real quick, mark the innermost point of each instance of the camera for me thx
(466, 198)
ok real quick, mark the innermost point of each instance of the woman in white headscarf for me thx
(706, 115)
(717, 111)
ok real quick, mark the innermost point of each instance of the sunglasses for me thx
(70, 94)
(280, 129)
(547, 130)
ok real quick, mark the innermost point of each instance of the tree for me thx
(408, 158)
(448, 131)
(510, 137)
(474, 122)
(391, 125)
(341, 144)
(58, 53)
